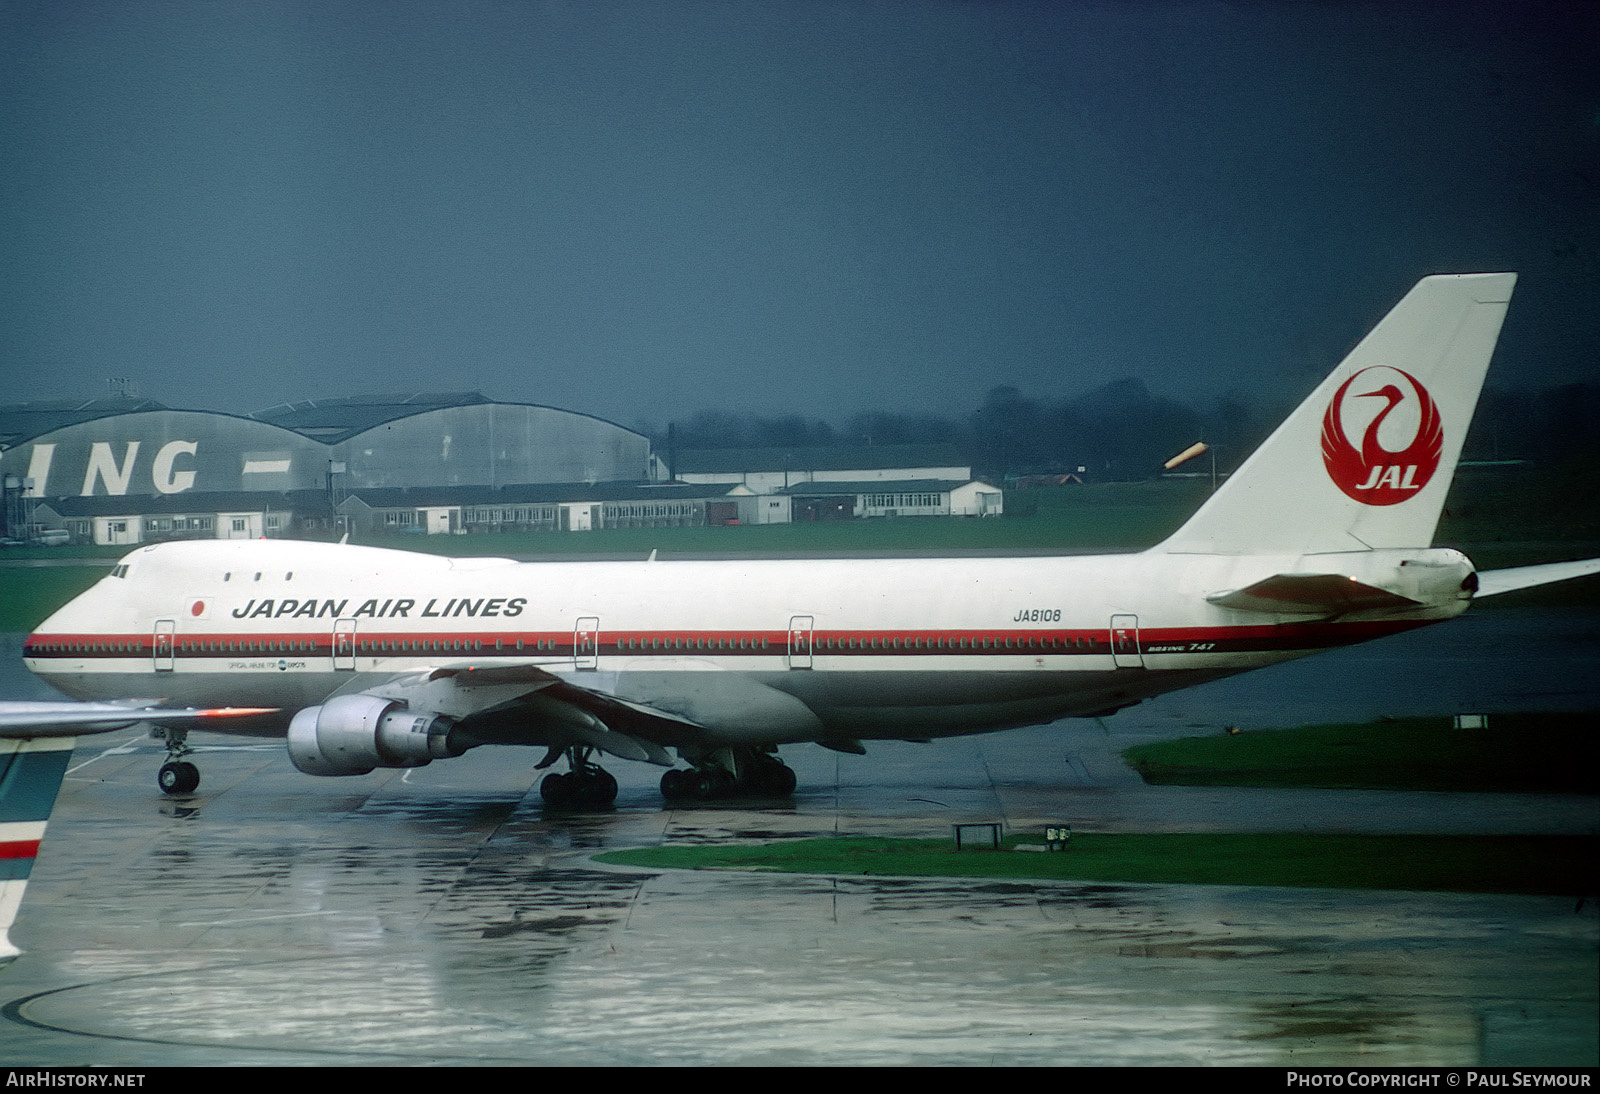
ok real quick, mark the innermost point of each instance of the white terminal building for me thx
(126, 471)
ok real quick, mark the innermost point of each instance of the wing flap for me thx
(491, 673)
(569, 712)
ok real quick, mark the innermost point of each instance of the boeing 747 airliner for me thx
(376, 658)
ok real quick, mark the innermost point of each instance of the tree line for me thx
(1122, 431)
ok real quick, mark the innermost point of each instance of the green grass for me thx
(67, 552)
(1475, 864)
(29, 593)
(1527, 753)
(1098, 518)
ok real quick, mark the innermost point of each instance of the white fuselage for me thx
(757, 652)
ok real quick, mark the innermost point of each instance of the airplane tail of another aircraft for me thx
(1366, 461)
(31, 771)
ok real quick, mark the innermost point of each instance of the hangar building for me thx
(122, 470)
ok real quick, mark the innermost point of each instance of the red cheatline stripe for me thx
(22, 848)
(1237, 638)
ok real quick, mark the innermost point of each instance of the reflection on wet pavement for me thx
(421, 926)
(441, 915)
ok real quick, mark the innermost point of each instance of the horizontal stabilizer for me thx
(1309, 593)
(1494, 582)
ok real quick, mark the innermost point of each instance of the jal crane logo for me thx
(1400, 444)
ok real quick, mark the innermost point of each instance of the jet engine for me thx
(352, 734)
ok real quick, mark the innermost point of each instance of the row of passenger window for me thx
(296, 646)
(1030, 643)
(744, 643)
(87, 647)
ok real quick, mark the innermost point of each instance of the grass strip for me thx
(1516, 753)
(1558, 865)
(30, 593)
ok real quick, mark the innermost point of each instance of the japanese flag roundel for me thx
(1401, 436)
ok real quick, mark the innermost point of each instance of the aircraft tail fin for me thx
(31, 770)
(1366, 461)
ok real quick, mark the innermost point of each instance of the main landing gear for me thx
(730, 773)
(177, 775)
(586, 786)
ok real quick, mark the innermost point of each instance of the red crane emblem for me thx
(1373, 474)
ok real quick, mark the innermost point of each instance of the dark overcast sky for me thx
(639, 210)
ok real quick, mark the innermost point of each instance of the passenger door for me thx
(800, 641)
(586, 643)
(163, 645)
(1125, 652)
(344, 645)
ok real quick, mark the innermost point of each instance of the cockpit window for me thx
(120, 571)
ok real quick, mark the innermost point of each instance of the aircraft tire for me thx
(777, 779)
(674, 785)
(179, 777)
(698, 785)
(598, 788)
(714, 784)
(557, 790)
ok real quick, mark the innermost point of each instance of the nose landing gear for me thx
(177, 775)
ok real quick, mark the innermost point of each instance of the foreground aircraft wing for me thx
(60, 719)
(31, 770)
(1495, 582)
(36, 740)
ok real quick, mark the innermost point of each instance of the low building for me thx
(238, 514)
(903, 498)
(537, 507)
(770, 470)
(839, 483)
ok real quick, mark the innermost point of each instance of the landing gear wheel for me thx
(586, 786)
(180, 777)
(700, 784)
(557, 790)
(761, 775)
(600, 786)
(773, 779)
(675, 785)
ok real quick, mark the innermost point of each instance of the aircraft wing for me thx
(30, 775)
(502, 702)
(1495, 582)
(65, 719)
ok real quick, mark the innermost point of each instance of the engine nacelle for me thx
(352, 734)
